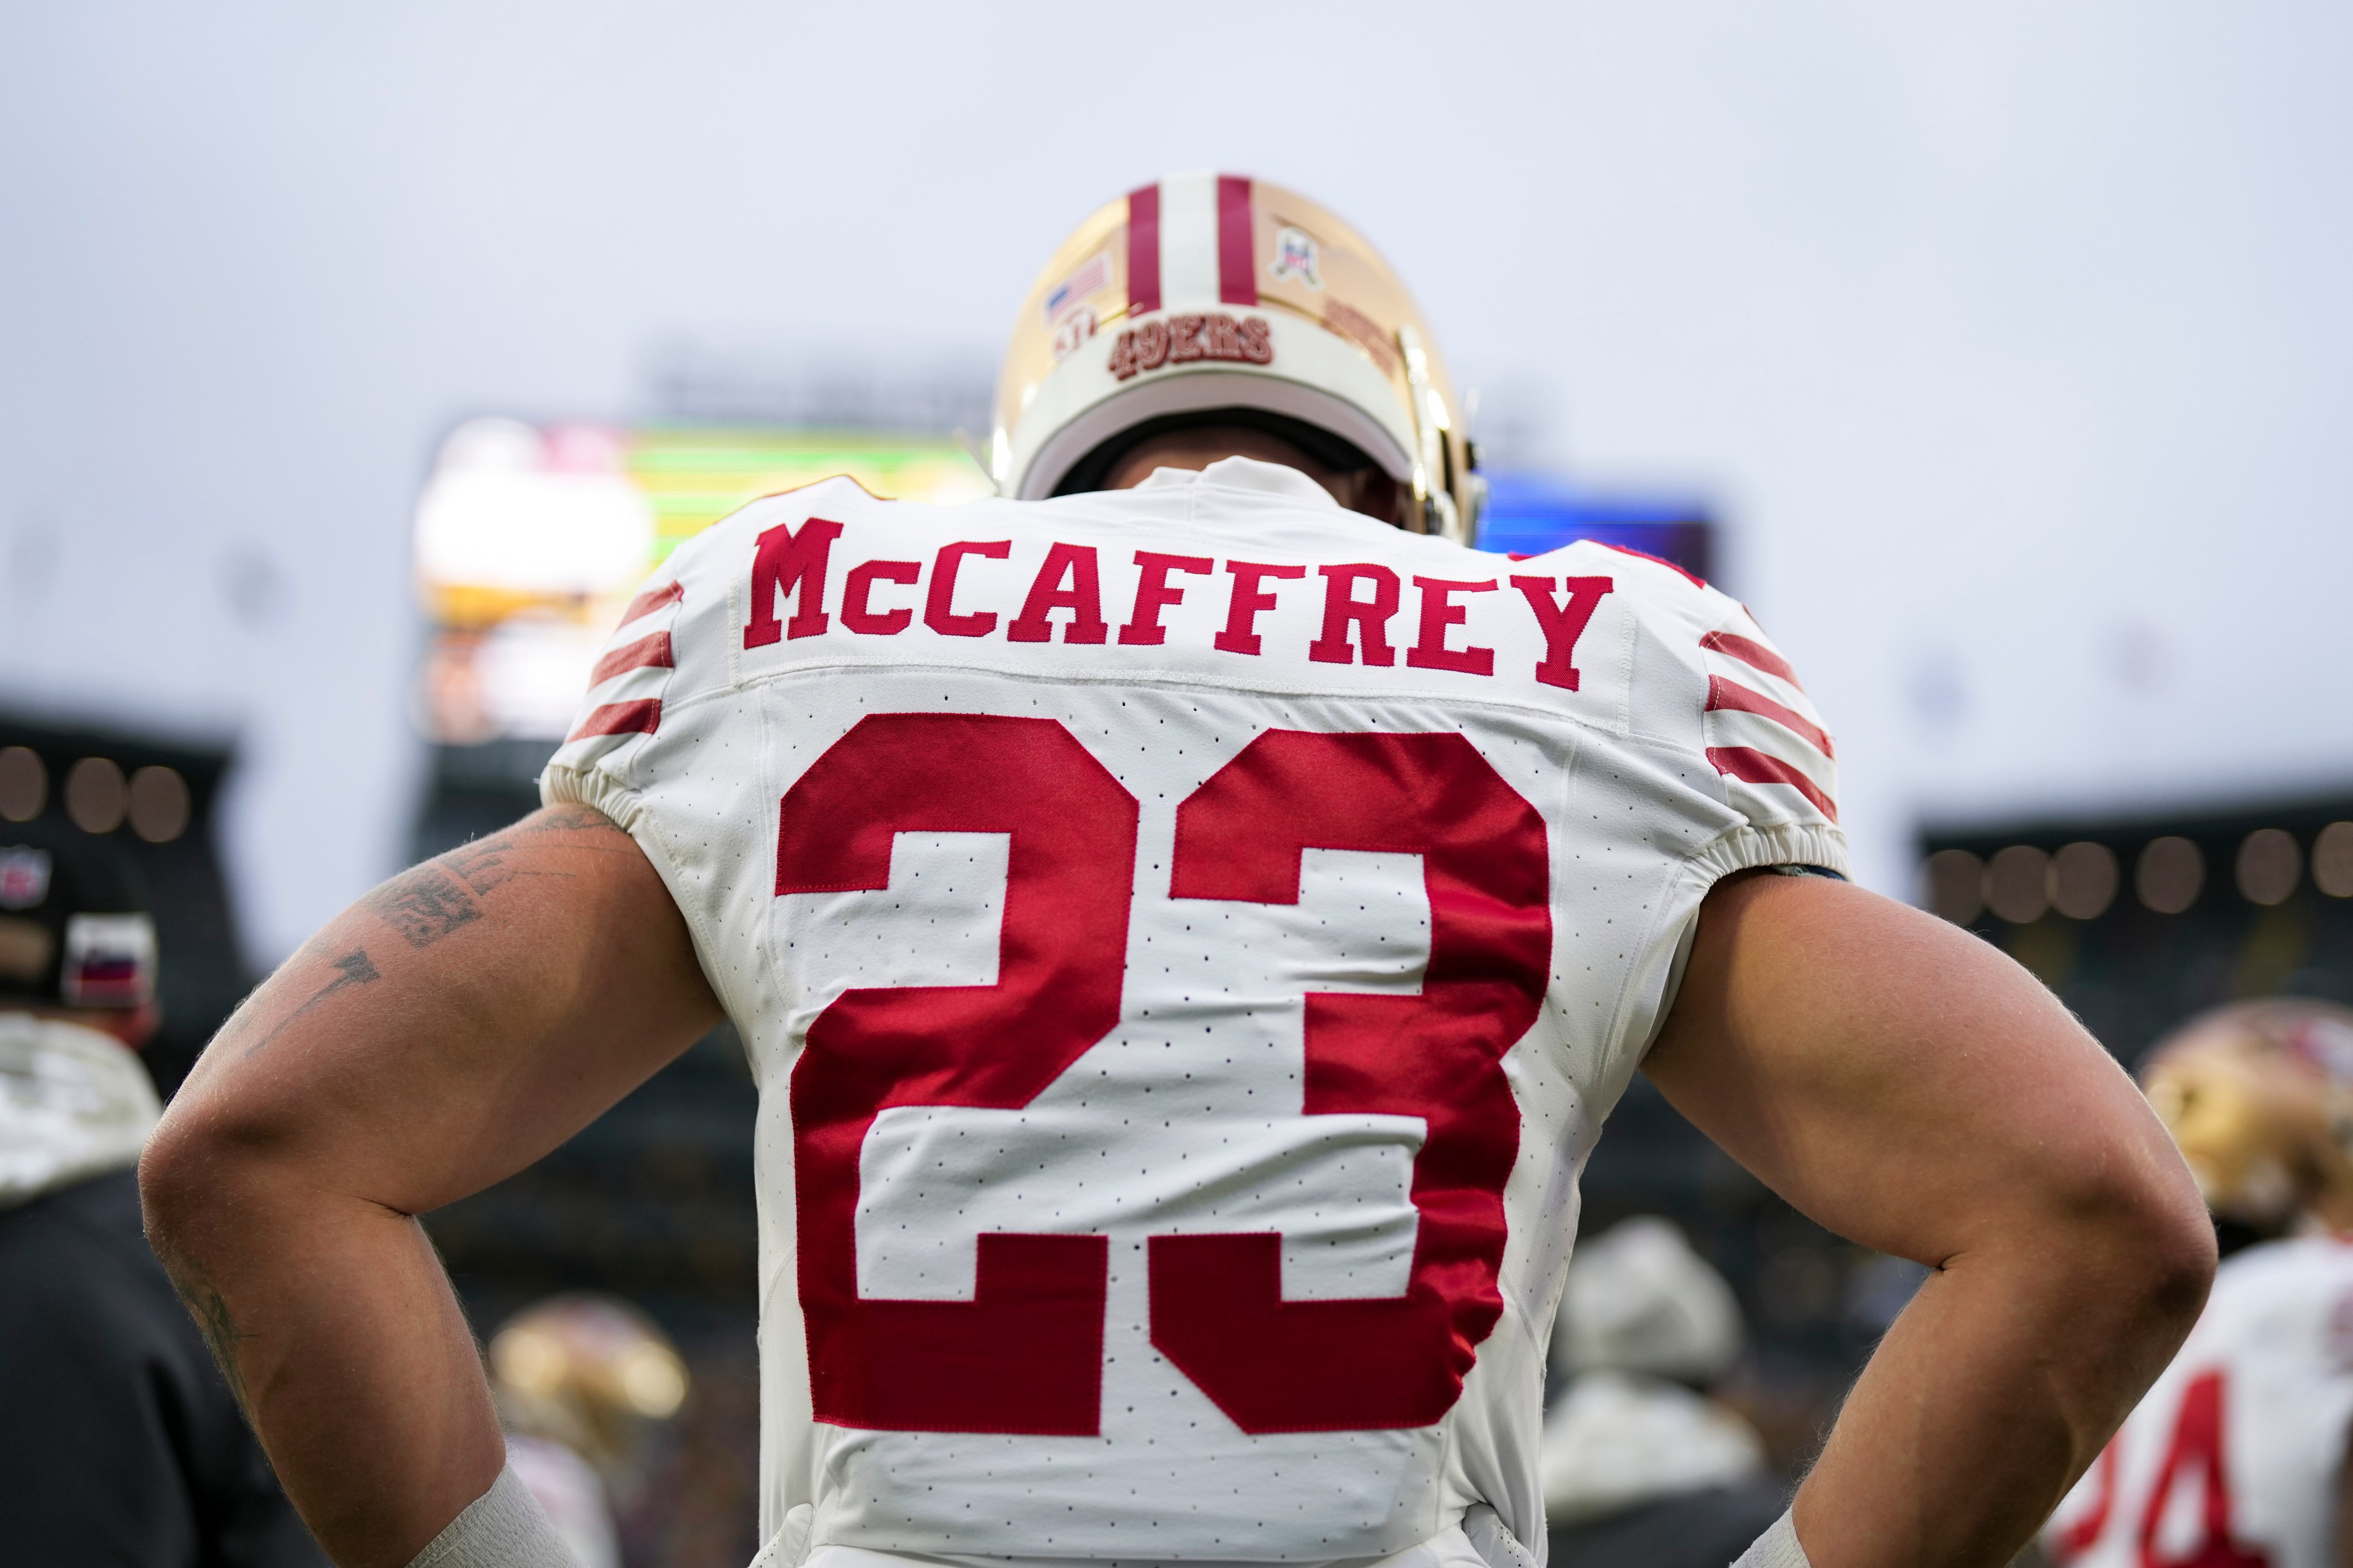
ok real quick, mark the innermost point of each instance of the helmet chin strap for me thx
(2331, 1209)
(1428, 508)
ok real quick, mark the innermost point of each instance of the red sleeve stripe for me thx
(642, 717)
(1723, 694)
(653, 653)
(1143, 249)
(1752, 766)
(1752, 653)
(1237, 240)
(652, 599)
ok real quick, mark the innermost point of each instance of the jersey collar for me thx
(1246, 474)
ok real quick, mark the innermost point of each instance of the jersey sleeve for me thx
(1768, 743)
(621, 714)
(1754, 774)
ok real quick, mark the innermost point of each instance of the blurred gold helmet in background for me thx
(588, 1372)
(2259, 1096)
(1206, 293)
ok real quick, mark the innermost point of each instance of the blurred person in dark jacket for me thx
(120, 1443)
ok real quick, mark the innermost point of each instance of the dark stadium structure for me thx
(203, 975)
(2137, 923)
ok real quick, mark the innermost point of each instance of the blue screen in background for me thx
(1528, 514)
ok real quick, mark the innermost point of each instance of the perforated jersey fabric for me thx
(1187, 939)
(2233, 1456)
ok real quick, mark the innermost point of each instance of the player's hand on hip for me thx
(1910, 1088)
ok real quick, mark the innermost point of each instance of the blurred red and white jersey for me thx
(1187, 939)
(2232, 1460)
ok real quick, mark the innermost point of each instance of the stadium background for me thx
(2000, 363)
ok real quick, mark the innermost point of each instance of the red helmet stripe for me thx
(1237, 269)
(1143, 250)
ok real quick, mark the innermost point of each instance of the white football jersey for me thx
(1187, 940)
(2233, 1458)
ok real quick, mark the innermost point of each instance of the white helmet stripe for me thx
(1183, 229)
(1188, 241)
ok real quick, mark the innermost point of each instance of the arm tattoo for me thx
(569, 817)
(353, 969)
(210, 1309)
(424, 904)
(427, 902)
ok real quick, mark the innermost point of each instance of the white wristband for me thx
(504, 1528)
(1776, 1547)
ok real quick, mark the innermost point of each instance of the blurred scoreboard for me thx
(531, 538)
(1528, 514)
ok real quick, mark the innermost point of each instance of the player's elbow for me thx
(2187, 1243)
(2170, 1241)
(198, 1172)
(173, 1187)
(2136, 1238)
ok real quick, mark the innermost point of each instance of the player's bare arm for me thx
(1912, 1089)
(449, 1029)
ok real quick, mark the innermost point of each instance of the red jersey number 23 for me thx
(1025, 1355)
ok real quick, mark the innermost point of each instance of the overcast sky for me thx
(2013, 342)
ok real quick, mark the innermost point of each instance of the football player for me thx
(1188, 919)
(2238, 1457)
(581, 1381)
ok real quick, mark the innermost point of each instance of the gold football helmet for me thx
(2259, 1096)
(588, 1372)
(1206, 293)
